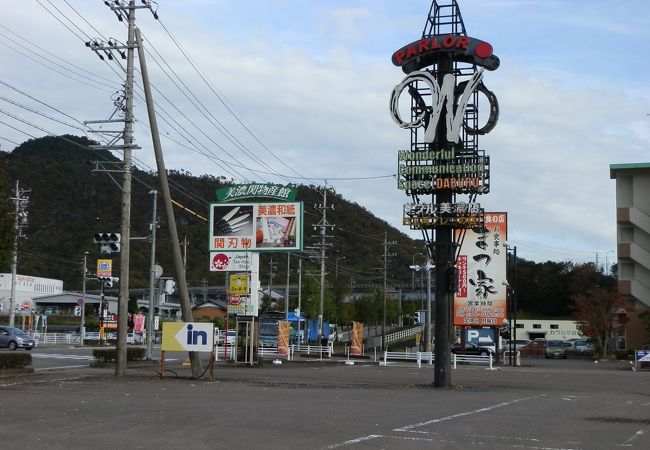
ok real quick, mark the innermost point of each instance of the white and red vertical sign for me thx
(481, 297)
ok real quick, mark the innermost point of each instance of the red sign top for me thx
(425, 52)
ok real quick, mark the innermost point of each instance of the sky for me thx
(298, 91)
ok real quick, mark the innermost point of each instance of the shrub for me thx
(15, 360)
(106, 355)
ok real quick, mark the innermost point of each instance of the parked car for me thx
(519, 343)
(584, 346)
(470, 349)
(14, 338)
(220, 336)
(556, 349)
(134, 338)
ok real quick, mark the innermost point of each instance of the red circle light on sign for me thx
(483, 50)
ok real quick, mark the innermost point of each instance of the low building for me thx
(28, 288)
(548, 329)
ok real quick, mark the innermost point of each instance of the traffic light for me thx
(169, 287)
(108, 281)
(110, 242)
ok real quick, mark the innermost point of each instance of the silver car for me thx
(14, 338)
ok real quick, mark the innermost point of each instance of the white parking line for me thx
(60, 367)
(462, 414)
(61, 356)
(410, 428)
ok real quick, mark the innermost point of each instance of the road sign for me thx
(238, 284)
(80, 301)
(189, 336)
(26, 305)
(104, 268)
(158, 271)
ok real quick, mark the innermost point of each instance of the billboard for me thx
(190, 336)
(481, 296)
(265, 226)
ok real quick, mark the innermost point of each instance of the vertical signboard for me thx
(356, 349)
(283, 338)
(481, 297)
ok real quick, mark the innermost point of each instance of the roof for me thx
(613, 168)
(70, 297)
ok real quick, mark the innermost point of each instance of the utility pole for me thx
(322, 245)
(20, 224)
(186, 307)
(286, 292)
(385, 256)
(299, 295)
(272, 269)
(82, 328)
(152, 276)
(102, 49)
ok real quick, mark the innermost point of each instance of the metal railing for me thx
(471, 359)
(57, 338)
(408, 356)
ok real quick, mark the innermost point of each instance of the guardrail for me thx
(56, 338)
(471, 359)
(408, 356)
(398, 336)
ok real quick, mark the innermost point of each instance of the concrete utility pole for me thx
(20, 224)
(103, 49)
(123, 301)
(186, 308)
(82, 328)
(386, 255)
(286, 291)
(152, 276)
(322, 246)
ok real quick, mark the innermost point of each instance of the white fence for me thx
(408, 356)
(57, 338)
(316, 350)
(471, 359)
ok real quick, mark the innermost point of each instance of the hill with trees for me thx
(70, 201)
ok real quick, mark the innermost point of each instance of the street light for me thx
(427, 329)
(82, 328)
(607, 271)
(511, 299)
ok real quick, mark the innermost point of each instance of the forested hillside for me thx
(70, 201)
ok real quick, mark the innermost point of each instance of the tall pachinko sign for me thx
(443, 170)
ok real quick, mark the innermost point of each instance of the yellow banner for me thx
(357, 339)
(283, 338)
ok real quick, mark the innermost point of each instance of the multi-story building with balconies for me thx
(633, 238)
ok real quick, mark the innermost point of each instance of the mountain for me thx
(70, 201)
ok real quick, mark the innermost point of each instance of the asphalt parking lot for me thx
(558, 404)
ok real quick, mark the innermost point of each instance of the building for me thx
(548, 329)
(633, 241)
(27, 289)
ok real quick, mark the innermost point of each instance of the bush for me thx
(15, 360)
(106, 355)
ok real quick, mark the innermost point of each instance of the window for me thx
(554, 326)
(537, 325)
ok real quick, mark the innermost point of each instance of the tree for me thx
(598, 313)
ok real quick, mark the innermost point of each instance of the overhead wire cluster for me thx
(224, 145)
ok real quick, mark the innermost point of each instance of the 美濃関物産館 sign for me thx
(253, 190)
